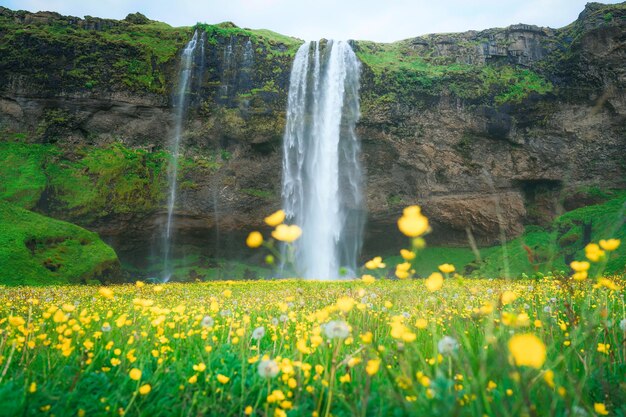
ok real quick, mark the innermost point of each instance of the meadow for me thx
(441, 346)
(292, 347)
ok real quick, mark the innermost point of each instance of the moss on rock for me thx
(35, 249)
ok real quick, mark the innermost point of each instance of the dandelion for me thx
(527, 350)
(622, 325)
(207, 321)
(258, 333)
(106, 327)
(254, 239)
(337, 329)
(268, 369)
(222, 379)
(201, 367)
(275, 218)
(407, 255)
(447, 345)
(145, 389)
(508, 297)
(286, 233)
(32, 388)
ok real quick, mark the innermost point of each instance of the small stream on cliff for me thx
(322, 175)
(187, 65)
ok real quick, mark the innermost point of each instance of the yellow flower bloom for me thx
(527, 350)
(286, 233)
(600, 408)
(135, 374)
(604, 348)
(580, 266)
(606, 283)
(372, 366)
(201, 367)
(248, 410)
(254, 240)
(368, 279)
(548, 376)
(580, 276)
(106, 292)
(16, 321)
(32, 388)
(434, 282)
(193, 379)
(222, 379)
(508, 297)
(145, 389)
(609, 245)
(407, 255)
(413, 223)
(275, 218)
(375, 263)
(447, 268)
(593, 252)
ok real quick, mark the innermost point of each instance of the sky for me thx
(376, 20)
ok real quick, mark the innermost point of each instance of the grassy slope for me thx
(57, 252)
(547, 247)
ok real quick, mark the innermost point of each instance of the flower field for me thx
(369, 347)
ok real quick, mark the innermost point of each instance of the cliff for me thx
(490, 131)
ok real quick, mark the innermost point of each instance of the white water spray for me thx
(322, 176)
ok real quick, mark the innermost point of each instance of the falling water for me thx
(322, 176)
(181, 101)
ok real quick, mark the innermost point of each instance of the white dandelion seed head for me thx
(448, 345)
(258, 333)
(337, 329)
(268, 369)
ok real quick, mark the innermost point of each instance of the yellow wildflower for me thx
(447, 268)
(145, 389)
(434, 282)
(16, 321)
(527, 350)
(222, 379)
(609, 245)
(372, 366)
(135, 374)
(413, 223)
(407, 255)
(593, 252)
(600, 408)
(275, 218)
(254, 240)
(286, 233)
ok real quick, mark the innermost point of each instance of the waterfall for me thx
(322, 176)
(181, 101)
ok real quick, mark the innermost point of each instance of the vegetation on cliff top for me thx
(36, 250)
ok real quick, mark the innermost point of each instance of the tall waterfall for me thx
(322, 176)
(181, 101)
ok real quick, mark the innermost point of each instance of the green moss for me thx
(404, 73)
(258, 193)
(35, 249)
(84, 182)
(103, 181)
(22, 178)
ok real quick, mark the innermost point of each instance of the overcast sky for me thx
(377, 20)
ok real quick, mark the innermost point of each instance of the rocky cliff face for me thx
(487, 130)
